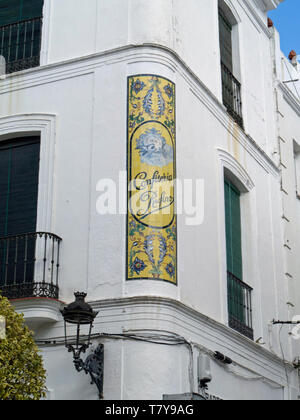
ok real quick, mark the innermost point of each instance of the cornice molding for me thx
(250, 10)
(229, 162)
(175, 317)
(270, 4)
(290, 98)
(39, 310)
(152, 53)
(233, 10)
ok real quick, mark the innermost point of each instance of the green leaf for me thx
(22, 375)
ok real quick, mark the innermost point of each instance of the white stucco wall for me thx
(82, 92)
(192, 32)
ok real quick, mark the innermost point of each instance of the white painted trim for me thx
(229, 162)
(233, 10)
(168, 315)
(38, 310)
(290, 98)
(245, 184)
(148, 53)
(260, 25)
(220, 196)
(157, 314)
(271, 4)
(45, 32)
(44, 125)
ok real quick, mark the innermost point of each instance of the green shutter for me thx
(233, 230)
(236, 299)
(12, 11)
(19, 174)
(225, 30)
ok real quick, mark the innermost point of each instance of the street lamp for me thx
(81, 316)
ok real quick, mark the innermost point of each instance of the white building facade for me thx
(227, 101)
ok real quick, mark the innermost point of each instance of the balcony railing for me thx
(232, 98)
(20, 44)
(29, 266)
(240, 306)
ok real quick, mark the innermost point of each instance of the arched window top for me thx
(235, 181)
(234, 172)
(228, 10)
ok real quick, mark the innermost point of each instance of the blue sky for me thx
(287, 21)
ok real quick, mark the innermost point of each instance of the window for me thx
(239, 294)
(20, 33)
(19, 174)
(19, 178)
(225, 29)
(231, 87)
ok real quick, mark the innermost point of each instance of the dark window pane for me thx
(12, 11)
(225, 30)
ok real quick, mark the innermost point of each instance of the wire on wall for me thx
(169, 339)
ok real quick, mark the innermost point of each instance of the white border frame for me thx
(230, 163)
(46, 28)
(45, 126)
(245, 184)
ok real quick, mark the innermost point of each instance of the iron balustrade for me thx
(232, 98)
(240, 306)
(29, 265)
(20, 44)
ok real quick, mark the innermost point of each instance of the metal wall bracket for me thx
(94, 366)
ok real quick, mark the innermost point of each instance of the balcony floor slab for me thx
(38, 311)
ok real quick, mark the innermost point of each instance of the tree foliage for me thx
(22, 375)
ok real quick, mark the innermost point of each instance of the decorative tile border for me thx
(151, 221)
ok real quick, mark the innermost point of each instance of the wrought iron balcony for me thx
(20, 44)
(240, 306)
(29, 266)
(232, 98)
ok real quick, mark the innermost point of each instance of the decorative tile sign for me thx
(2, 328)
(152, 229)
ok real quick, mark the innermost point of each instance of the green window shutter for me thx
(233, 230)
(12, 11)
(19, 175)
(236, 296)
(225, 30)
(32, 9)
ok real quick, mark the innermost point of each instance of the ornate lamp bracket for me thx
(93, 366)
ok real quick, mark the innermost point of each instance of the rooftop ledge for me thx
(38, 310)
(271, 4)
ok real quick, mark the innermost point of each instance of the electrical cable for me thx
(161, 339)
(229, 369)
(170, 339)
(263, 379)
